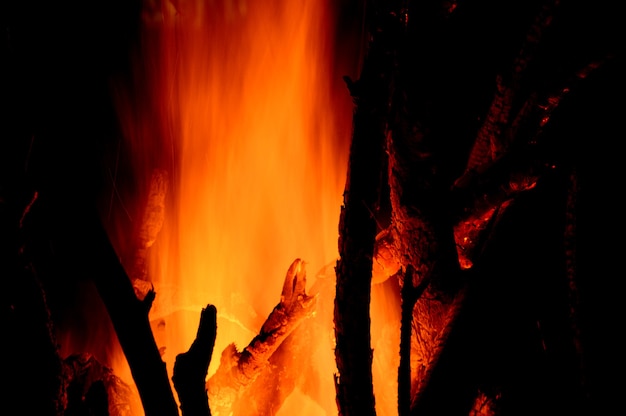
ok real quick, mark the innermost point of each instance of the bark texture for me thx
(357, 223)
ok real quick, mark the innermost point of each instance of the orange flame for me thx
(242, 103)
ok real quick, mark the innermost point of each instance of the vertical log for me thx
(357, 224)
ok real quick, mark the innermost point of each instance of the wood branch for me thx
(71, 226)
(357, 222)
(296, 362)
(191, 367)
(129, 317)
(267, 393)
(238, 370)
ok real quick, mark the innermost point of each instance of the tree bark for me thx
(357, 223)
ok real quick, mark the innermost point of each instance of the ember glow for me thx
(243, 105)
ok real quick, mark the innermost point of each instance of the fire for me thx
(259, 166)
(242, 103)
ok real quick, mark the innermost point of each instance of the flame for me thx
(242, 103)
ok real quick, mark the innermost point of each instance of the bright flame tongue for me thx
(242, 95)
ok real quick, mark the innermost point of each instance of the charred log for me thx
(82, 247)
(191, 367)
(357, 222)
(130, 319)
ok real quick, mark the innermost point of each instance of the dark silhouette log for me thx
(191, 367)
(129, 317)
(358, 224)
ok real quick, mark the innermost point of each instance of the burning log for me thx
(238, 370)
(298, 362)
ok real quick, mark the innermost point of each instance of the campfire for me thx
(304, 208)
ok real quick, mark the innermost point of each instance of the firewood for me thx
(238, 370)
(357, 222)
(294, 364)
(191, 367)
(129, 316)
